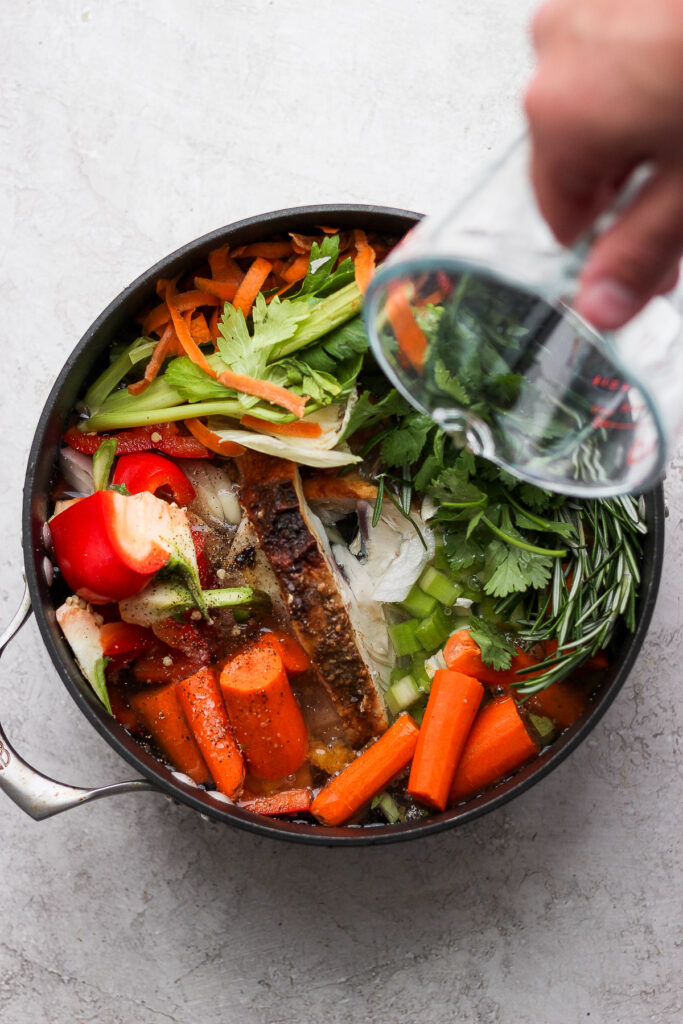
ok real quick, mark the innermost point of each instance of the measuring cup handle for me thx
(35, 793)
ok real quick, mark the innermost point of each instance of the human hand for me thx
(607, 97)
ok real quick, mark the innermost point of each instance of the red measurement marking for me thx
(609, 383)
(602, 421)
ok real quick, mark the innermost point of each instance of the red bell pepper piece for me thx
(121, 638)
(207, 577)
(184, 637)
(106, 546)
(147, 471)
(163, 437)
(163, 664)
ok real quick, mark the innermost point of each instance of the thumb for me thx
(630, 262)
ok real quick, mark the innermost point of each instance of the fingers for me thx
(636, 258)
(571, 192)
(576, 167)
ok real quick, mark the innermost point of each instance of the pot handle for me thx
(35, 793)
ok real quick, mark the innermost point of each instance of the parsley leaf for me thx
(348, 340)
(453, 486)
(513, 570)
(367, 413)
(558, 526)
(403, 446)
(321, 277)
(449, 384)
(496, 650)
(537, 499)
(462, 552)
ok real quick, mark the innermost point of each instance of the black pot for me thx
(42, 797)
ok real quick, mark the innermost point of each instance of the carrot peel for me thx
(301, 429)
(190, 346)
(212, 441)
(265, 389)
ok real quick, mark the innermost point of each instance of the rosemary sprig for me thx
(596, 585)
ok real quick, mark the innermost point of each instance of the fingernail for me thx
(607, 304)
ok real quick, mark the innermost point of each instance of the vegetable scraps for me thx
(514, 592)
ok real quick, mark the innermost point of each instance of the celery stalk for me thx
(138, 350)
(133, 417)
(325, 315)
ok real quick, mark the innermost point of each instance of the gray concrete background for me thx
(125, 130)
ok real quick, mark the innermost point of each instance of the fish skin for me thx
(272, 498)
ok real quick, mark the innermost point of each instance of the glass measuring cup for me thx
(470, 318)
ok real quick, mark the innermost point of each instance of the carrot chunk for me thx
(294, 657)
(202, 704)
(453, 703)
(367, 774)
(497, 745)
(263, 712)
(289, 801)
(462, 654)
(159, 711)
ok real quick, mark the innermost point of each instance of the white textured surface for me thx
(125, 130)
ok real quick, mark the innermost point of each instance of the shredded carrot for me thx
(369, 773)
(211, 440)
(218, 262)
(251, 284)
(296, 429)
(190, 347)
(364, 266)
(289, 801)
(266, 390)
(296, 270)
(213, 325)
(199, 329)
(223, 290)
(154, 365)
(160, 315)
(411, 341)
(327, 230)
(269, 250)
